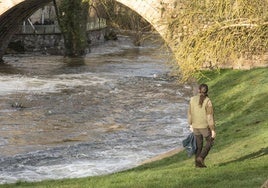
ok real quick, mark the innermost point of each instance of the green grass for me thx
(239, 157)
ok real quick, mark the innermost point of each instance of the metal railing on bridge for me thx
(54, 29)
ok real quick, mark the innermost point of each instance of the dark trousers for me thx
(202, 151)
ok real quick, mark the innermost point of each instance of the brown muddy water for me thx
(107, 112)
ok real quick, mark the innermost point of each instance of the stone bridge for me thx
(13, 12)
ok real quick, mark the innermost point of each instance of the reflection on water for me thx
(108, 112)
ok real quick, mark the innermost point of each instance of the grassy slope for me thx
(239, 157)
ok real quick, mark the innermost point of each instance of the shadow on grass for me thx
(260, 153)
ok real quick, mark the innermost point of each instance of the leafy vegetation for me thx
(215, 33)
(239, 157)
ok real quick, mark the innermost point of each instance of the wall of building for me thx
(52, 44)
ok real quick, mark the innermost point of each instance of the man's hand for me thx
(191, 128)
(213, 134)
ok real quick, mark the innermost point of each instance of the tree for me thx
(73, 17)
(214, 33)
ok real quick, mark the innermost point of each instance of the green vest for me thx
(198, 113)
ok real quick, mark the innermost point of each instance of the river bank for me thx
(163, 155)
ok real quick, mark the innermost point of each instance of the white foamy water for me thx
(72, 169)
(17, 84)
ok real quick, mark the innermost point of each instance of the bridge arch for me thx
(13, 12)
(150, 10)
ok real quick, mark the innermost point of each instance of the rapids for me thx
(67, 118)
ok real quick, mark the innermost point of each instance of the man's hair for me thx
(203, 90)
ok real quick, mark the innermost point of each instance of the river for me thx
(67, 118)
